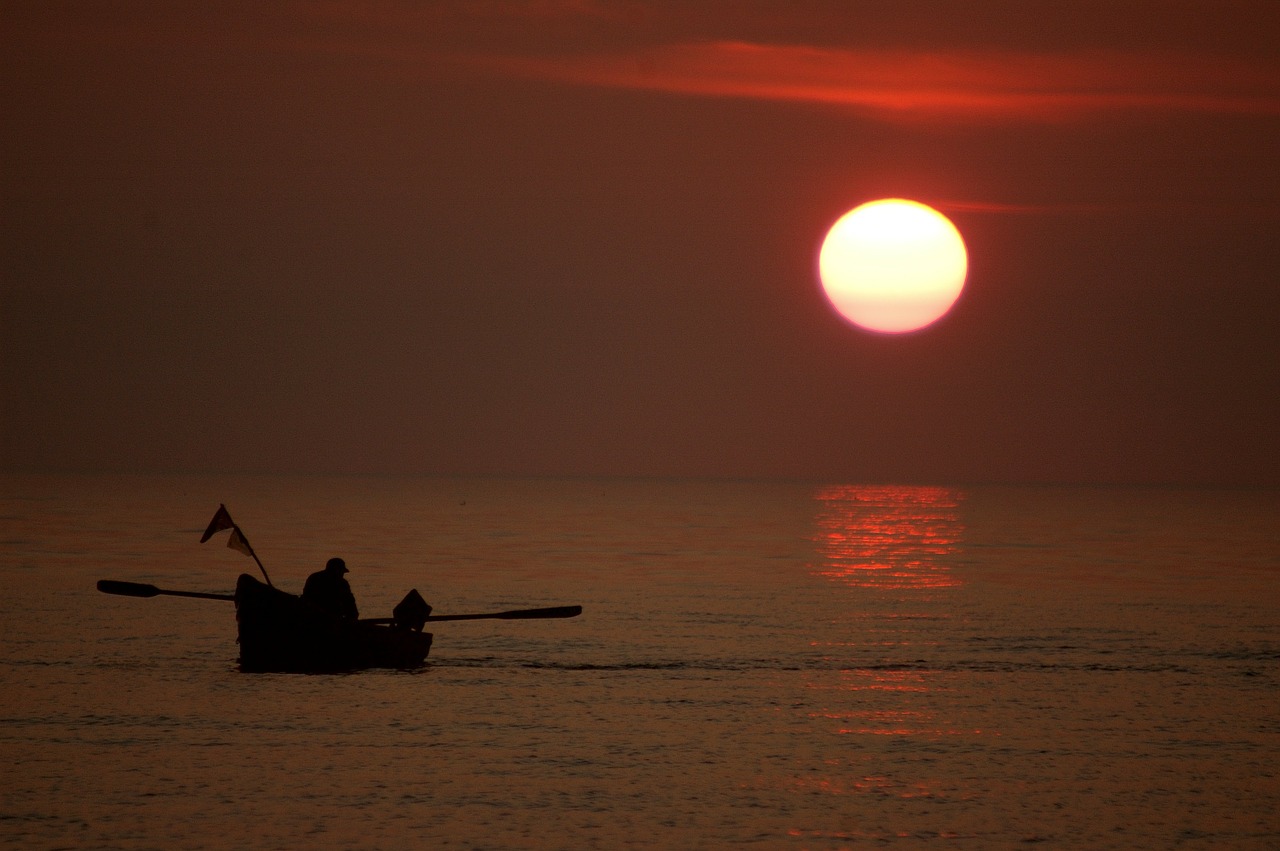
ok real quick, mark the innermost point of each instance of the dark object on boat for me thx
(280, 632)
(411, 612)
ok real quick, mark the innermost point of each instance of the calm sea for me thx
(758, 664)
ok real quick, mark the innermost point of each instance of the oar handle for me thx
(139, 589)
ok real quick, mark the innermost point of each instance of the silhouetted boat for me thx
(280, 632)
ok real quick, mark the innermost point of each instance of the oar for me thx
(137, 589)
(517, 614)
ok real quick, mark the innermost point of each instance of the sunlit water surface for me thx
(779, 666)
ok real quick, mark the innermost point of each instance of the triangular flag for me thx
(239, 543)
(221, 520)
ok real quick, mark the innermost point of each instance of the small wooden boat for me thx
(281, 632)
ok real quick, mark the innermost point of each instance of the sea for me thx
(790, 665)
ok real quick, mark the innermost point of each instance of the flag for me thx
(239, 542)
(221, 520)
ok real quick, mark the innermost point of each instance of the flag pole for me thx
(260, 567)
(237, 540)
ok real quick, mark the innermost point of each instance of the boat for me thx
(280, 632)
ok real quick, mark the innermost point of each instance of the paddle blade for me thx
(138, 589)
(127, 589)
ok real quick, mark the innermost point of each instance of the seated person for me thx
(328, 591)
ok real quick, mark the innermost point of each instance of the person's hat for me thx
(336, 564)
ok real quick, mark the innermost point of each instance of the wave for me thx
(921, 666)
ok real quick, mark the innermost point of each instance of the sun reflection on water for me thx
(878, 685)
(888, 537)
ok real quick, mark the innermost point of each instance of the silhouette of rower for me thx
(328, 591)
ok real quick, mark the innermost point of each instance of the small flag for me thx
(221, 520)
(239, 542)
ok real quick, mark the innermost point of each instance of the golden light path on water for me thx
(891, 547)
(888, 537)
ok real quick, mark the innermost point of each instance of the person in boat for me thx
(328, 590)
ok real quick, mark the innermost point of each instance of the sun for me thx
(893, 265)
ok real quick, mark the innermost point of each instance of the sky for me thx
(572, 238)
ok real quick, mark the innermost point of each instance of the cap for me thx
(336, 564)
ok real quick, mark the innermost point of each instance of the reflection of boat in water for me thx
(280, 632)
(888, 537)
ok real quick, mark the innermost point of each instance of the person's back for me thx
(328, 591)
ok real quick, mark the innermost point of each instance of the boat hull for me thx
(281, 632)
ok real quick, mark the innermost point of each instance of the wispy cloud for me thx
(924, 84)
(1253, 208)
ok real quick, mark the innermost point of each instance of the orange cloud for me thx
(907, 84)
(1233, 207)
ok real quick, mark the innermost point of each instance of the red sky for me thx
(571, 238)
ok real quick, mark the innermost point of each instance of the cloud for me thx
(1252, 209)
(906, 85)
